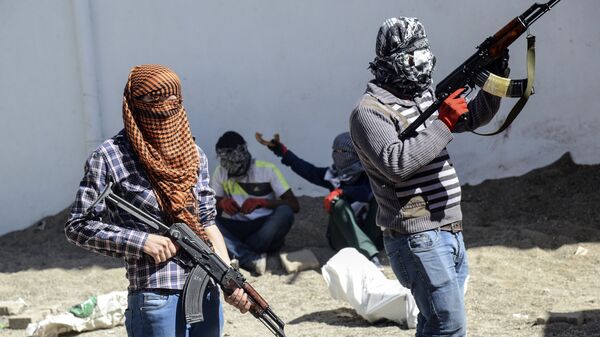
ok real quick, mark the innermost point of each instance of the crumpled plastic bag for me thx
(354, 279)
(108, 312)
(85, 308)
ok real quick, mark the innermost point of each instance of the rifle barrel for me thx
(536, 11)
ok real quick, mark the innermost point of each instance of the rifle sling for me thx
(500, 86)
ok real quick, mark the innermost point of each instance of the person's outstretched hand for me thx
(274, 144)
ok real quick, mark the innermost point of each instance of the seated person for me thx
(350, 203)
(255, 203)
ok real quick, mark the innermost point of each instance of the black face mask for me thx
(235, 160)
(346, 164)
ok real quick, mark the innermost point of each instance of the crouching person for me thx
(350, 204)
(256, 205)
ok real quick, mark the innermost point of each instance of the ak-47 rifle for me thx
(472, 71)
(204, 264)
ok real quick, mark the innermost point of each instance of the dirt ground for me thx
(522, 235)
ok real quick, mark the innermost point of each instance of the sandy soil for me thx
(522, 234)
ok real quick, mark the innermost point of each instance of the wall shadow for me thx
(546, 208)
(43, 245)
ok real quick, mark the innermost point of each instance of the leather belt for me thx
(453, 228)
(158, 291)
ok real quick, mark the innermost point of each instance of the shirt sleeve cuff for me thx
(208, 224)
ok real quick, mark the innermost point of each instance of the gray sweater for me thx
(414, 181)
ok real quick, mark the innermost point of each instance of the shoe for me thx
(235, 263)
(259, 266)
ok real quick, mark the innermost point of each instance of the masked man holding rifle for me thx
(413, 180)
(155, 164)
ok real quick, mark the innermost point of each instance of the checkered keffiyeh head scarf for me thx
(346, 164)
(404, 59)
(160, 135)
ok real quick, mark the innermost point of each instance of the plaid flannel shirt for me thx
(116, 233)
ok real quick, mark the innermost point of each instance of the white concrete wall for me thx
(293, 67)
(41, 122)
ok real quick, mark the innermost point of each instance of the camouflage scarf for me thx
(403, 59)
(235, 160)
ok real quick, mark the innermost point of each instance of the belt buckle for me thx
(455, 227)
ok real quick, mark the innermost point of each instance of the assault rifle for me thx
(204, 264)
(472, 71)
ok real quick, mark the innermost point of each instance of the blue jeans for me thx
(433, 265)
(246, 240)
(160, 313)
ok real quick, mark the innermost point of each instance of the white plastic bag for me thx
(109, 312)
(354, 279)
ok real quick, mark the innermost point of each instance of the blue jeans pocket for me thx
(424, 241)
(154, 302)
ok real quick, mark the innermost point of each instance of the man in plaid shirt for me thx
(155, 164)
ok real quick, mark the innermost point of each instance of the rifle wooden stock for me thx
(259, 304)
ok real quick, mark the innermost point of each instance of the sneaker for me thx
(259, 266)
(235, 263)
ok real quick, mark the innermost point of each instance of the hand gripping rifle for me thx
(472, 72)
(204, 264)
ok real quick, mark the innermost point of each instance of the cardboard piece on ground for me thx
(299, 260)
(18, 322)
(8, 308)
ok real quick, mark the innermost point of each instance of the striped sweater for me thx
(414, 181)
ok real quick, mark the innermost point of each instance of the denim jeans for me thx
(433, 265)
(160, 313)
(246, 240)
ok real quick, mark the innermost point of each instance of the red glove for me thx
(452, 108)
(253, 203)
(331, 198)
(228, 206)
